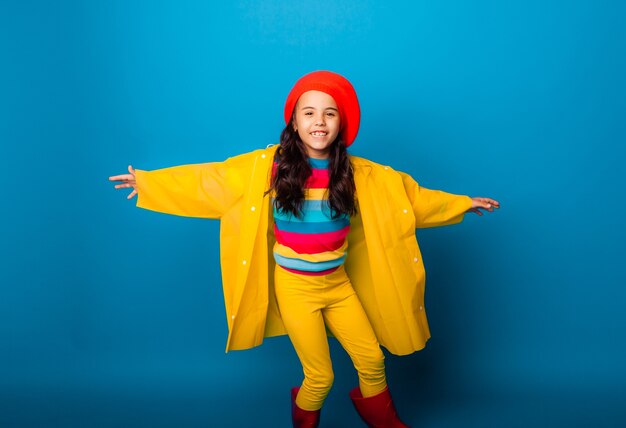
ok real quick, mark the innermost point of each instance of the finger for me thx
(122, 186)
(131, 170)
(491, 201)
(481, 203)
(486, 206)
(133, 193)
(121, 177)
(491, 204)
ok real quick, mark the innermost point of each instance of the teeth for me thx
(318, 134)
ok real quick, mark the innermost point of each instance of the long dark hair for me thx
(293, 169)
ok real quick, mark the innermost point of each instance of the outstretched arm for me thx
(433, 207)
(204, 190)
(437, 208)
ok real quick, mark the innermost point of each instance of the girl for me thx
(341, 230)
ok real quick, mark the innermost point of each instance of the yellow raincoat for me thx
(384, 261)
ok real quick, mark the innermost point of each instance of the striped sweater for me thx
(314, 244)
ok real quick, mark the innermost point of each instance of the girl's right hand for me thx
(127, 180)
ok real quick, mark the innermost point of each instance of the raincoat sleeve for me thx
(205, 190)
(434, 207)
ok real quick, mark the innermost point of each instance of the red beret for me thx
(337, 87)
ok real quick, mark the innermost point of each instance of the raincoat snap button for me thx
(263, 155)
(405, 211)
(421, 308)
(386, 168)
(233, 317)
(415, 259)
(252, 208)
(244, 262)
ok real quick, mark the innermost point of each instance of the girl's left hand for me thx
(487, 204)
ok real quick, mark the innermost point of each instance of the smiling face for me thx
(316, 119)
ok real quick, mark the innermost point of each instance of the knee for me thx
(372, 367)
(320, 383)
(314, 390)
(325, 380)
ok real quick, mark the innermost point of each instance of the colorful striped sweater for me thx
(314, 244)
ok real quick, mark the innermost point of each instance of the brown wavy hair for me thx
(293, 169)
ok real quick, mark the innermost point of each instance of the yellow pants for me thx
(310, 304)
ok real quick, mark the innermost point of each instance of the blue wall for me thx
(113, 316)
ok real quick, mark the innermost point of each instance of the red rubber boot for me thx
(377, 411)
(302, 418)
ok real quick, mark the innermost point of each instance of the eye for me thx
(308, 113)
(330, 114)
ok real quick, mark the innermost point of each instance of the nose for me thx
(320, 120)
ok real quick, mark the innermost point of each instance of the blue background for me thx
(112, 316)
